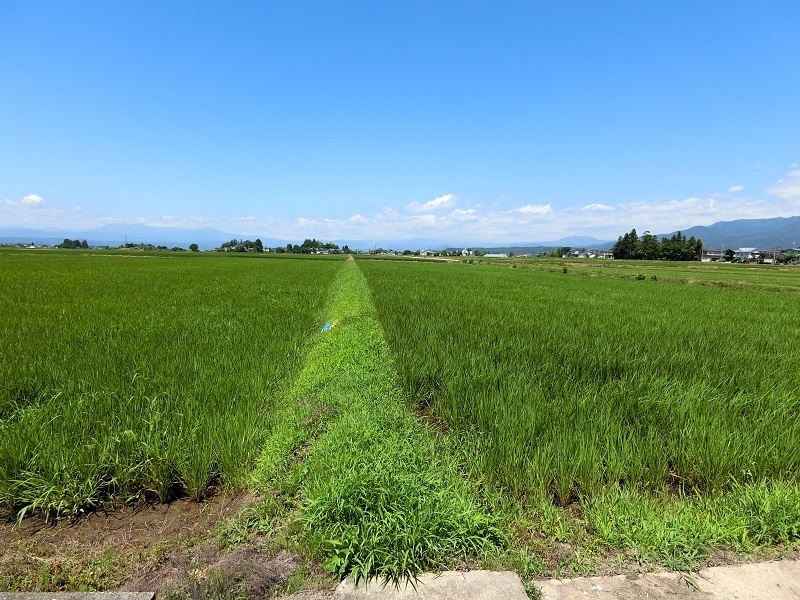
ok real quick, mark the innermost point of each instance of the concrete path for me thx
(450, 585)
(760, 581)
(779, 580)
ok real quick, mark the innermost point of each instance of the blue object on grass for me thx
(326, 327)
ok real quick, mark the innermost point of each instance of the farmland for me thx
(136, 376)
(488, 412)
(611, 391)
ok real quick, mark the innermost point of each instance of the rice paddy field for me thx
(664, 413)
(142, 376)
(531, 414)
(568, 385)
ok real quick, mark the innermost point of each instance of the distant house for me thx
(495, 255)
(426, 253)
(576, 254)
(712, 255)
(770, 257)
(743, 254)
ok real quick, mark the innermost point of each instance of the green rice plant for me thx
(135, 377)
(568, 389)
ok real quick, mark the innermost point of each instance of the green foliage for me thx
(567, 389)
(74, 244)
(680, 531)
(677, 247)
(142, 378)
(313, 246)
(377, 500)
(241, 246)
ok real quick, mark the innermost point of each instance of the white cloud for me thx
(534, 209)
(787, 188)
(735, 188)
(440, 203)
(460, 214)
(443, 222)
(31, 211)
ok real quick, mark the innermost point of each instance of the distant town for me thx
(746, 255)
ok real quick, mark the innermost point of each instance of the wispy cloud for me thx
(439, 220)
(735, 189)
(787, 188)
(30, 211)
(440, 203)
(534, 209)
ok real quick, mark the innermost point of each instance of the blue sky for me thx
(480, 122)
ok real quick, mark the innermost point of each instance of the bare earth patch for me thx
(105, 548)
(167, 548)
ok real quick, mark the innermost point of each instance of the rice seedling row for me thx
(559, 388)
(132, 376)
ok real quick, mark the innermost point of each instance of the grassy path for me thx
(376, 498)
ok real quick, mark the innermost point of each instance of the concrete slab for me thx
(779, 580)
(77, 595)
(450, 585)
(621, 587)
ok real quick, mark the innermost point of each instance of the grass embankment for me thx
(375, 497)
(143, 378)
(665, 414)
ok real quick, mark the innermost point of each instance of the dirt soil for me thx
(166, 548)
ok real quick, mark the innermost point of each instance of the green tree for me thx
(626, 246)
(650, 246)
(194, 247)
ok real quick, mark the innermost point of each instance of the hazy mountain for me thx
(581, 241)
(573, 241)
(761, 233)
(745, 233)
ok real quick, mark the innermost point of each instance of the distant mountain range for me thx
(760, 233)
(783, 232)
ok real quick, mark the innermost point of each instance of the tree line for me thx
(648, 247)
(242, 246)
(310, 246)
(73, 244)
